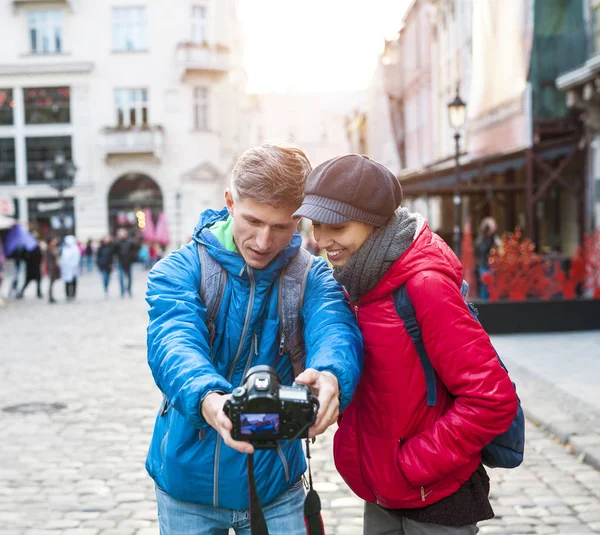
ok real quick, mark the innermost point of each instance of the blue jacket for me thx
(187, 457)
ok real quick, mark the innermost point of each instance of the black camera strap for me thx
(258, 525)
(312, 504)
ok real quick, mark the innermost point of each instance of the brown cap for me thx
(350, 188)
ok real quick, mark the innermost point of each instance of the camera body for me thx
(263, 411)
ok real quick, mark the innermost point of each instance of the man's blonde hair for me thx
(271, 174)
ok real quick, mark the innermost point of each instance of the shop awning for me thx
(442, 179)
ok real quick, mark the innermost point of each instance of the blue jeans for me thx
(105, 279)
(125, 273)
(284, 516)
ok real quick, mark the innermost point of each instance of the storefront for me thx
(539, 189)
(51, 216)
(129, 197)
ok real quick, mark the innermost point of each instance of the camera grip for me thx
(227, 409)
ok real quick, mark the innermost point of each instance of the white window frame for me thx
(199, 23)
(129, 29)
(131, 101)
(47, 24)
(201, 108)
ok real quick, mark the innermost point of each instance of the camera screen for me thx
(255, 424)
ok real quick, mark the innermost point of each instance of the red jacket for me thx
(391, 448)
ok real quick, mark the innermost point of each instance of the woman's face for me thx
(342, 240)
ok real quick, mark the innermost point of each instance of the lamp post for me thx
(60, 175)
(457, 116)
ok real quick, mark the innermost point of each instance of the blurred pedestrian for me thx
(70, 258)
(33, 264)
(125, 252)
(487, 240)
(43, 249)
(52, 266)
(105, 260)
(89, 255)
(144, 255)
(153, 250)
(81, 248)
(18, 256)
(160, 251)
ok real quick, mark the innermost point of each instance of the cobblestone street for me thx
(74, 463)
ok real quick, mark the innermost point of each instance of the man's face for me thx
(260, 231)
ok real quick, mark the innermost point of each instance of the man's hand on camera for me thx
(212, 412)
(327, 389)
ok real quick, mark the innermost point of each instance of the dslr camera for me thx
(263, 411)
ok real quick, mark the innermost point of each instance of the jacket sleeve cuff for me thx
(344, 396)
(200, 422)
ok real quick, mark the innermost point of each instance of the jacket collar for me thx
(428, 252)
(233, 262)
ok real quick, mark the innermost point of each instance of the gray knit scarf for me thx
(366, 266)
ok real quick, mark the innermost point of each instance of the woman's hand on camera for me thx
(212, 412)
(327, 389)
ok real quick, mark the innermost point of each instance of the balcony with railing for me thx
(203, 58)
(133, 140)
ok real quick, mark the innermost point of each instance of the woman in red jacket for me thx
(417, 467)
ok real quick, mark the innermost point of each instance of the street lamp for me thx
(60, 175)
(457, 115)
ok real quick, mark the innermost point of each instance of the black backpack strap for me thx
(406, 312)
(213, 279)
(292, 284)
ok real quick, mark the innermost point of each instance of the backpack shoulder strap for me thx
(292, 283)
(213, 279)
(406, 312)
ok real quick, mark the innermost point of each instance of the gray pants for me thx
(378, 521)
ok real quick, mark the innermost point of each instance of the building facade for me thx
(146, 100)
(452, 53)
(416, 60)
(312, 121)
(582, 88)
(521, 154)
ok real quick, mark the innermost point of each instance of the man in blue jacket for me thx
(199, 470)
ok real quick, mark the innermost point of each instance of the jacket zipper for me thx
(423, 494)
(284, 461)
(162, 450)
(235, 361)
(255, 353)
(246, 325)
(165, 406)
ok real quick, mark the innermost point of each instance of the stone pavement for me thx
(72, 464)
(558, 378)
